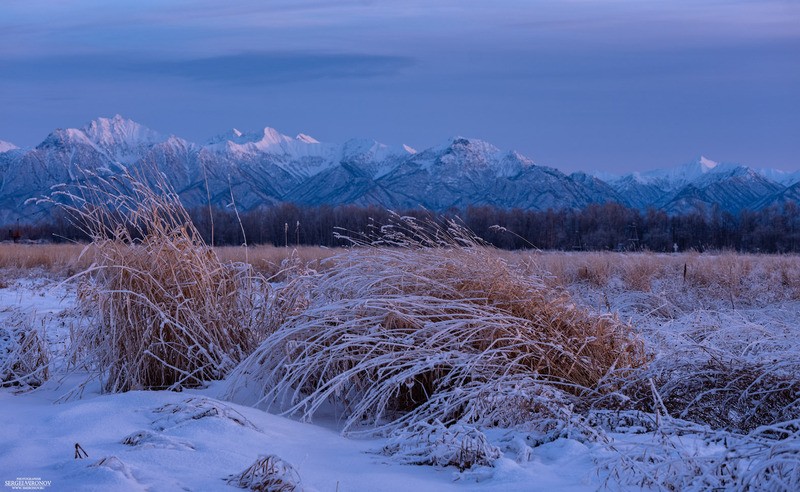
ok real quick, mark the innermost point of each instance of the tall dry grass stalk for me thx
(423, 323)
(166, 312)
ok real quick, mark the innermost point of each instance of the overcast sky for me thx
(613, 85)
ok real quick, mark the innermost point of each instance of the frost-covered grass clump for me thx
(24, 354)
(165, 312)
(268, 473)
(459, 445)
(680, 455)
(425, 323)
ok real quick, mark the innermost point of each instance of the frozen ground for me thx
(193, 440)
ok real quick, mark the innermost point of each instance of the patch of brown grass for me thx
(270, 261)
(56, 259)
(638, 271)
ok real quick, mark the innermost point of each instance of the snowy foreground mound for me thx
(189, 441)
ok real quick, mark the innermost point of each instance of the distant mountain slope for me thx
(731, 190)
(266, 167)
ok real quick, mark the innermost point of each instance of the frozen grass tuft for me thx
(461, 446)
(166, 312)
(268, 474)
(424, 322)
(24, 355)
(196, 408)
(682, 456)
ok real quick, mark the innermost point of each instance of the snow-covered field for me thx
(197, 440)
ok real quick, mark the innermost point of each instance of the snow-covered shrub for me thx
(24, 356)
(513, 401)
(459, 445)
(268, 474)
(418, 324)
(166, 312)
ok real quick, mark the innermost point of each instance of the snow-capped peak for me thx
(234, 135)
(409, 149)
(706, 164)
(120, 131)
(460, 156)
(302, 137)
(239, 141)
(674, 177)
(62, 137)
(472, 145)
(272, 137)
(605, 176)
(6, 146)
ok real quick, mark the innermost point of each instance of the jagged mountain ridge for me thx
(252, 169)
(262, 168)
(701, 185)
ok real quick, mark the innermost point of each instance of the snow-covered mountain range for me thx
(702, 184)
(266, 167)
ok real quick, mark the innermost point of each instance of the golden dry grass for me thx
(726, 275)
(57, 259)
(271, 260)
(66, 259)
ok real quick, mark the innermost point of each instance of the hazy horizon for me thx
(614, 86)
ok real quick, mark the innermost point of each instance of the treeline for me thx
(597, 227)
